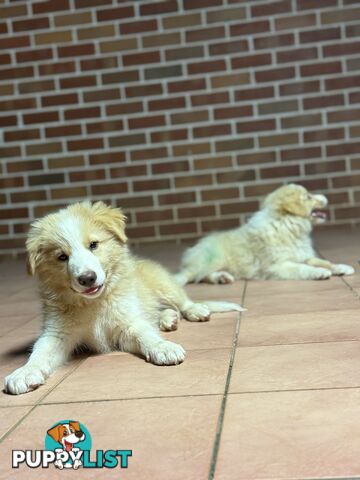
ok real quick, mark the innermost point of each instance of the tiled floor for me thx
(271, 394)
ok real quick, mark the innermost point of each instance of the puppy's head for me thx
(297, 201)
(67, 434)
(75, 249)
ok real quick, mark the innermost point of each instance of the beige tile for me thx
(9, 417)
(205, 291)
(325, 326)
(291, 435)
(9, 324)
(171, 438)
(119, 376)
(19, 308)
(295, 367)
(339, 298)
(217, 333)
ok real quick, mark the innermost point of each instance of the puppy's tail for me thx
(221, 307)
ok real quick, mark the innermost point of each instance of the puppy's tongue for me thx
(318, 213)
(68, 446)
(91, 290)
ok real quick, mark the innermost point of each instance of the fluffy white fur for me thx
(275, 243)
(124, 305)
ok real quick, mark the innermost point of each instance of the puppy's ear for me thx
(55, 432)
(75, 425)
(111, 218)
(33, 247)
(286, 200)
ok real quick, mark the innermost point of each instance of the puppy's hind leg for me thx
(195, 312)
(220, 277)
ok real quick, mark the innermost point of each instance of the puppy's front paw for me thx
(221, 278)
(24, 379)
(169, 320)
(165, 353)
(197, 312)
(321, 274)
(341, 269)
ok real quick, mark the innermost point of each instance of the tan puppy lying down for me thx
(274, 243)
(95, 293)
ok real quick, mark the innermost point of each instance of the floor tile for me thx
(9, 416)
(119, 376)
(171, 438)
(217, 333)
(296, 367)
(325, 326)
(291, 435)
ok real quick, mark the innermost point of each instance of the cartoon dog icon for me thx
(67, 434)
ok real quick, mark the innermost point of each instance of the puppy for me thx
(68, 435)
(275, 243)
(95, 293)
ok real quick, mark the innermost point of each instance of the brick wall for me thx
(184, 112)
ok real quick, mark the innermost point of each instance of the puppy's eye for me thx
(63, 257)
(93, 245)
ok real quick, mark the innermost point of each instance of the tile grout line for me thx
(16, 424)
(220, 421)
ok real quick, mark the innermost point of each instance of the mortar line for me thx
(220, 421)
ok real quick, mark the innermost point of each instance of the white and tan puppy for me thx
(95, 293)
(275, 243)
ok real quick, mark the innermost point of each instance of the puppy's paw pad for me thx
(169, 320)
(221, 278)
(322, 274)
(166, 353)
(23, 380)
(342, 269)
(198, 312)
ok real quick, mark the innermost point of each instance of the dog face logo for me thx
(65, 438)
(67, 434)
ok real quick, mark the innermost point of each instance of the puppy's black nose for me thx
(79, 434)
(87, 279)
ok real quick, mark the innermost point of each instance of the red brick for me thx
(21, 134)
(11, 213)
(223, 48)
(343, 149)
(57, 68)
(348, 115)
(75, 113)
(346, 82)
(255, 126)
(77, 82)
(238, 144)
(87, 144)
(146, 122)
(5, 59)
(31, 24)
(193, 181)
(238, 207)
(141, 58)
(295, 21)
(120, 77)
(320, 35)
(150, 185)
(125, 140)
(8, 121)
(158, 8)
(190, 5)
(210, 99)
(301, 153)
(184, 53)
(297, 55)
(236, 176)
(24, 166)
(191, 149)
(320, 69)
(46, 179)
(66, 98)
(324, 167)
(87, 175)
(123, 108)
(190, 117)
(340, 49)
(323, 101)
(63, 131)
(279, 172)
(13, 151)
(169, 167)
(251, 60)
(274, 41)
(76, 50)
(186, 85)
(212, 130)
(233, 112)
(298, 88)
(138, 27)
(274, 74)
(205, 67)
(176, 198)
(99, 95)
(18, 104)
(167, 103)
(50, 6)
(254, 93)
(213, 163)
(41, 117)
(223, 224)
(38, 86)
(111, 157)
(154, 216)
(149, 153)
(196, 212)
(250, 28)
(19, 72)
(15, 42)
(309, 4)
(111, 14)
(301, 121)
(169, 135)
(219, 193)
(11, 182)
(202, 34)
(271, 8)
(256, 158)
(100, 127)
